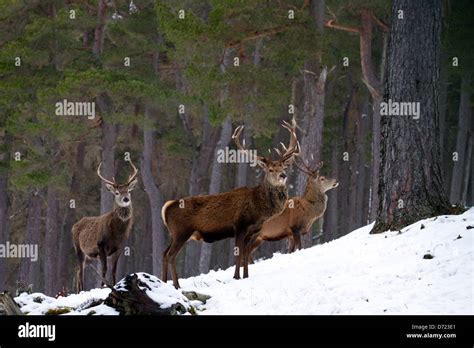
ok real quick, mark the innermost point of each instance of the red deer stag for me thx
(104, 235)
(230, 214)
(297, 217)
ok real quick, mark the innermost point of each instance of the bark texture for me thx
(51, 242)
(462, 144)
(29, 270)
(155, 196)
(411, 184)
(214, 188)
(66, 249)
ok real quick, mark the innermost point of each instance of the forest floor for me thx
(425, 269)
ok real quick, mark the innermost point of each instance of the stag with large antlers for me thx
(105, 235)
(298, 215)
(230, 214)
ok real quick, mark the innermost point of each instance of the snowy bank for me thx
(92, 302)
(425, 269)
(358, 274)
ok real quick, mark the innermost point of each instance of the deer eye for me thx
(116, 193)
(322, 179)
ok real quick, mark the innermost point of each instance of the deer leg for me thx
(297, 237)
(253, 244)
(291, 244)
(115, 258)
(164, 264)
(80, 270)
(239, 243)
(103, 261)
(251, 231)
(174, 249)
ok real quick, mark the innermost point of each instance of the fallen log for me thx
(131, 299)
(8, 306)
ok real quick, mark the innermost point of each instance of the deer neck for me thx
(276, 195)
(123, 213)
(314, 194)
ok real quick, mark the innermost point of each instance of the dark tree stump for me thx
(8, 306)
(134, 301)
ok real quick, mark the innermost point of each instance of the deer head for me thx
(322, 182)
(275, 170)
(121, 191)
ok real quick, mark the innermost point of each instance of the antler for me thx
(236, 138)
(102, 178)
(134, 174)
(130, 178)
(304, 169)
(293, 148)
(308, 170)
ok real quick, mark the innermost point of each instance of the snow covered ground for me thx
(357, 274)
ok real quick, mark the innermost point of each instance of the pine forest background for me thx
(196, 70)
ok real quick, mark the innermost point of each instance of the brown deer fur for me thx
(297, 217)
(104, 235)
(230, 214)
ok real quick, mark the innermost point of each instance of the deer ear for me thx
(132, 184)
(111, 188)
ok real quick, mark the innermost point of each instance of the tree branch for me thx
(330, 24)
(380, 23)
(255, 35)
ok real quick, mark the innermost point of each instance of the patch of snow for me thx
(356, 274)
(37, 303)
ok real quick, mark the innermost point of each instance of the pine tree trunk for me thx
(354, 163)
(214, 188)
(99, 32)
(374, 86)
(155, 196)
(193, 248)
(461, 142)
(240, 181)
(361, 148)
(109, 137)
(443, 109)
(201, 163)
(411, 184)
(66, 249)
(109, 130)
(29, 270)
(4, 225)
(467, 171)
(216, 171)
(109, 134)
(331, 216)
(375, 175)
(313, 112)
(50, 242)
